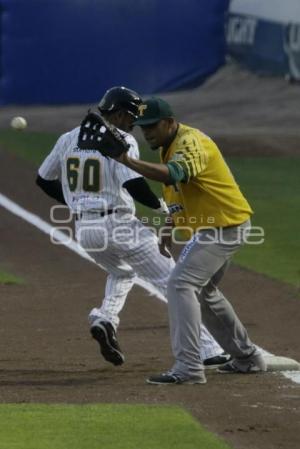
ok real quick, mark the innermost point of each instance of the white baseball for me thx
(18, 123)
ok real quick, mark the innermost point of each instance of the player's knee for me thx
(175, 284)
(210, 295)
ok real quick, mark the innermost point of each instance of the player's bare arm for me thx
(154, 171)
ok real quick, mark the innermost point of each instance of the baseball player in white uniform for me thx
(99, 191)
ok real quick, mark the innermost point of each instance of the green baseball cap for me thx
(152, 111)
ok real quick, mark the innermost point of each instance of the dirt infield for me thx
(47, 355)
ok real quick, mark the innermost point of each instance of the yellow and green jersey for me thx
(209, 196)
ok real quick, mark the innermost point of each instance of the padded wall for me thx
(71, 51)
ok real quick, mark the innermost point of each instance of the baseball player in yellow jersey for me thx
(208, 206)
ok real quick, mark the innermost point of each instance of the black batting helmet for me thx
(120, 98)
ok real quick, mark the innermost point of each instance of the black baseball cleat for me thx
(217, 361)
(171, 378)
(256, 364)
(104, 333)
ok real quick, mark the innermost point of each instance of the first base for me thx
(276, 363)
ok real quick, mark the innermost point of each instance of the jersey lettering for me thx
(91, 174)
(72, 172)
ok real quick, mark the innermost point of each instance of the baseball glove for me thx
(97, 134)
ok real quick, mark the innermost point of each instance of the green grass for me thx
(273, 189)
(31, 146)
(101, 426)
(270, 184)
(9, 279)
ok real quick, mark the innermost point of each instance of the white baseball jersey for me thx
(89, 180)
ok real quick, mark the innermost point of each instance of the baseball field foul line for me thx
(280, 362)
(63, 239)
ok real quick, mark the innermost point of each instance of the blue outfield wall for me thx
(264, 46)
(71, 51)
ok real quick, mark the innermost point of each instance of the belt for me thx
(94, 213)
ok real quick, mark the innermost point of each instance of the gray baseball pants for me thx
(193, 297)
